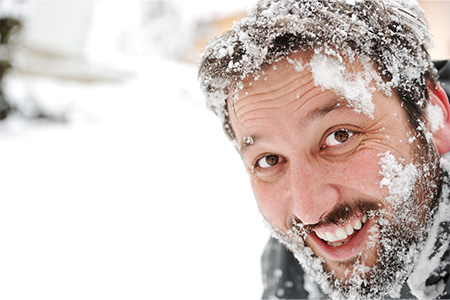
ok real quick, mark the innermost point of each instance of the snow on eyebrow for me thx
(331, 74)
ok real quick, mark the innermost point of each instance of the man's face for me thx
(322, 173)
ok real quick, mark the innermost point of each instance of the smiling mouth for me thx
(341, 242)
(340, 235)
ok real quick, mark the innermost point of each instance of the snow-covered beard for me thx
(399, 234)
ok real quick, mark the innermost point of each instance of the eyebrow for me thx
(321, 112)
(317, 113)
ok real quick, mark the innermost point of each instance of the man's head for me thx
(326, 101)
(393, 34)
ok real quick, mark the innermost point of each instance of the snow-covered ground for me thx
(139, 196)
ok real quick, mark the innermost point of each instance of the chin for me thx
(343, 270)
(340, 257)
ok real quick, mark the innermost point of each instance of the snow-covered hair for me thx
(393, 34)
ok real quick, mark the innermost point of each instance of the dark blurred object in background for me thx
(8, 27)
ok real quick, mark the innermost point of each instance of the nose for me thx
(311, 193)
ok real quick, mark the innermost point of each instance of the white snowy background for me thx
(131, 190)
(137, 193)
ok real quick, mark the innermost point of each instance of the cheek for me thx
(362, 174)
(358, 176)
(273, 202)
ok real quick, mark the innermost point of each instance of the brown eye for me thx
(268, 161)
(338, 137)
(341, 135)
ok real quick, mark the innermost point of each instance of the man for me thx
(336, 111)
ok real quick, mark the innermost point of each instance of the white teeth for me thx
(349, 229)
(321, 236)
(330, 237)
(342, 232)
(357, 225)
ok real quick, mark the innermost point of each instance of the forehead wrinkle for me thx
(316, 92)
(246, 121)
(254, 113)
(305, 98)
(282, 72)
(308, 86)
(274, 94)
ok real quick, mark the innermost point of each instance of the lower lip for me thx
(344, 252)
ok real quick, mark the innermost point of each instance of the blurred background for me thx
(116, 181)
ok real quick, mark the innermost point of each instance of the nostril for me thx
(308, 219)
(311, 195)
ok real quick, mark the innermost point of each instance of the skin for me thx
(311, 153)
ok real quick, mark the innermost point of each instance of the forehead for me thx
(277, 85)
(277, 74)
(288, 83)
(354, 79)
(304, 84)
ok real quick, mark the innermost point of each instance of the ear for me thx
(441, 135)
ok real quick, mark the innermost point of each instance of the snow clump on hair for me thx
(391, 34)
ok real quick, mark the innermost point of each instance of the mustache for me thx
(341, 213)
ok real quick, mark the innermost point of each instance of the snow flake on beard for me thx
(401, 239)
(399, 179)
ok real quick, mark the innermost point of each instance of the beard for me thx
(401, 224)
